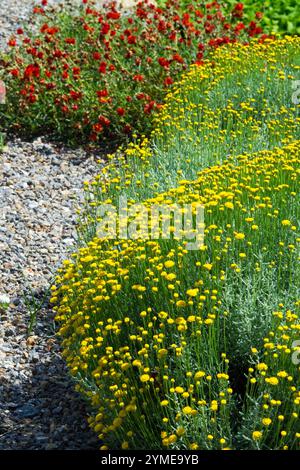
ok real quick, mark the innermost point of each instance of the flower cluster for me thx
(102, 72)
(195, 349)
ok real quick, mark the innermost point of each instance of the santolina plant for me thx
(100, 72)
(185, 349)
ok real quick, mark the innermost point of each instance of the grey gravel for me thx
(40, 190)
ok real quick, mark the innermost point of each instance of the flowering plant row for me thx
(199, 349)
(101, 72)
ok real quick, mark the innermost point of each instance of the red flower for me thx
(239, 27)
(38, 10)
(168, 81)
(98, 127)
(57, 54)
(131, 39)
(102, 93)
(20, 31)
(138, 78)
(70, 41)
(177, 58)
(96, 55)
(76, 71)
(121, 111)
(15, 72)
(102, 68)
(52, 30)
(161, 26)
(104, 120)
(105, 28)
(32, 70)
(239, 7)
(32, 98)
(113, 15)
(163, 62)
(238, 10)
(149, 107)
(127, 129)
(75, 95)
(44, 28)
(12, 42)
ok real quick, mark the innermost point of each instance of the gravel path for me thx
(40, 187)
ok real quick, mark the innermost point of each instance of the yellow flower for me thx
(162, 353)
(256, 435)
(192, 292)
(266, 421)
(187, 410)
(145, 378)
(164, 403)
(239, 236)
(208, 266)
(180, 431)
(286, 222)
(272, 381)
(194, 446)
(214, 405)
(199, 375)
(262, 366)
(169, 264)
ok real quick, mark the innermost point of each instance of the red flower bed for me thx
(100, 72)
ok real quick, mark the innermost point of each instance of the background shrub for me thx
(96, 72)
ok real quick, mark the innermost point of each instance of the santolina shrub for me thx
(197, 349)
(102, 72)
